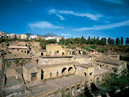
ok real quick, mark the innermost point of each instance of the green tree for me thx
(117, 41)
(69, 41)
(77, 40)
(89, 40)
(110, 41)
(83, 40)
(51, 41)
(103, 41)
(43, 44)
(127, 41)
(121, 40)
(97, 41)
(62, 41)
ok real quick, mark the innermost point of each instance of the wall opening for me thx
(62, 53)
(79, 52)
(50, 75)
(37, 61)
(73, 90)
(57, 73)
(70, 69)
(78, 88)
(64, 70)
(42, 74)
(41, 54)
(85, 74)
(91, 74)
(33, 76)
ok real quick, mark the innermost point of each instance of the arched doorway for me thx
(64, 71)
(85, 74)
(42, 74)
(70, 70)
(73, 90)
(78, 89)
(67, 92)
(41, 54)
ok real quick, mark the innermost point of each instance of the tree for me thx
(69, 41)
(121, 40)
(77, 41)
(51, 41)
(127, 41)
(97, 41)
(103, 41)
(83, 40)
(43, 44)
(117, 41)
(88, 40)
(110, 41)
(62, 41)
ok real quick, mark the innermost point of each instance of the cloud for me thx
(53, 11)
(103, 27)
(61, 17)
(88, 15)
(120, 2)
(43, 25)
(63, 34)
(68, 12)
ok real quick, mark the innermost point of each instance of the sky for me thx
(68, 18)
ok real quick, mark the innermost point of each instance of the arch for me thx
(90, 73)
(97, 79)
(73, 91)
(57, 73)
(42, 74)
(85, 74)
(79, 52)
(67, 91)
(41, 54)
(62, 53)
(64, 70)
(70, 70)
(37, 61)
(78, 88)
(50, 74)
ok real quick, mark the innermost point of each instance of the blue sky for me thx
(69, 18)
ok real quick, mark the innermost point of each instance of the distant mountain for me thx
(49, 35)
(28, 34)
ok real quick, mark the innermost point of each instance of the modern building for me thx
(57, 38)
(23, 36)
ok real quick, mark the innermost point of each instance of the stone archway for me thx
(42, 74)
(73, 91)
(67, 92)
(41, 54)
(78, 88)
(64, 71)
(70, 69)
(85, 74)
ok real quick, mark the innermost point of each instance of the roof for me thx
(85, 65)
(65, 81)
(17, 47)
(70, 50)
(82, 56)
(110, 61)
(99, 71)
(64, 63)
(11, 72)
(30, 65)
(92, 49)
